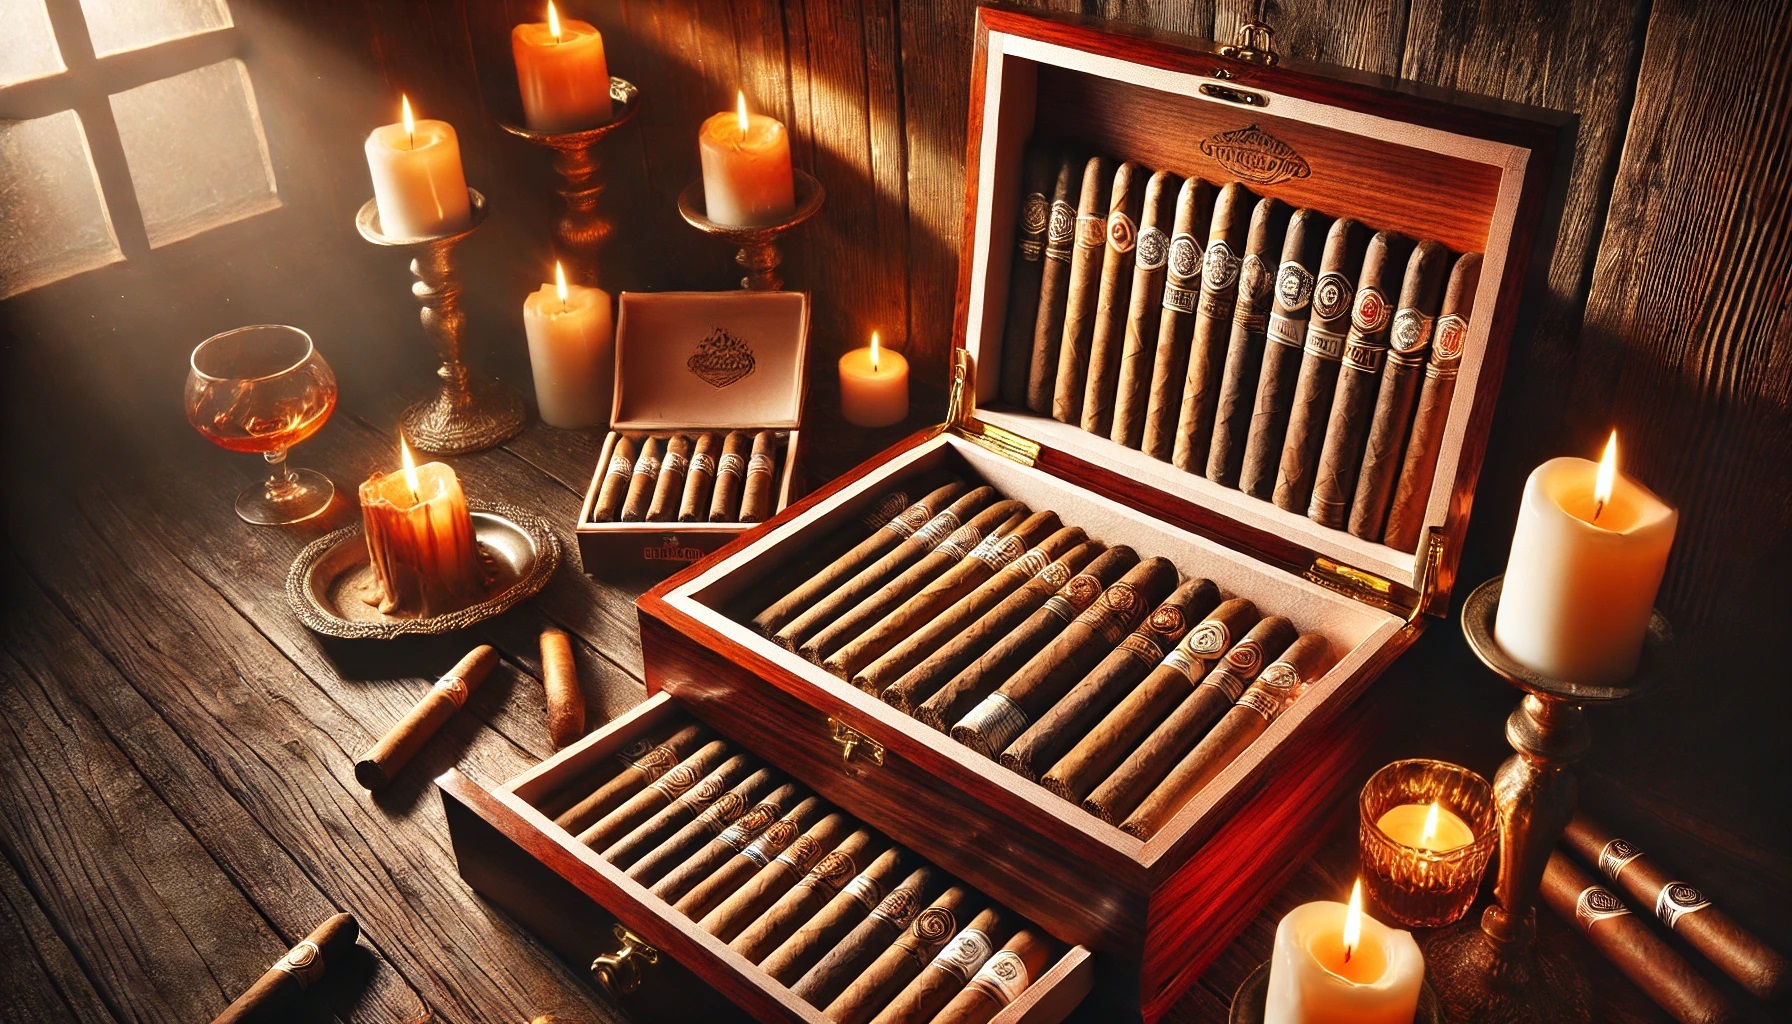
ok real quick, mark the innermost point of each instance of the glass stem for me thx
(282, 485)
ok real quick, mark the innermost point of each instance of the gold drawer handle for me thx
(853, 742)
(620, 972)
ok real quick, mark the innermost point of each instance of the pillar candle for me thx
(1314, 980)
(417, 178)
(570, 332)
(420, 540)
(873, 386)
(1587, 558)
(561, 73)
(746, 168)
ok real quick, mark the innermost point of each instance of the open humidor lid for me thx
(1476, 175)
(718, 360)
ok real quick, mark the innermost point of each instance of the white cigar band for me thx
(304, 962)
(703, 462)
(867, 890)
(679, 779)
(620, 466)
(1676, 900)
(997, 551)
(675, 463)
(1227, 682)
(797, 855)
(964, 955)
(1003, 978)
(1274, 690)
(761, 463)
(961, 543)
(454, 688)
(731, 462)
(1615, 855)
(1597, 903)
(997, 720)
(649, 467)
(774, 839)
(830, 872)
(655, 762)
(726, 808)
(937, 529)
(738, 834)
(885, 511)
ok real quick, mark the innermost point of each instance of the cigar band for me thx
(1112, 616)
(962, 542)
(1219, 268)
(888, 509)
(727, 807)
(1209, 640)
(731, 462)
(1246, 657)
(1184, 258)
(1003, 978)
(912, 518)
(867, 890)
(746, 827)
(1228, 682)
(759, 465)
(1073, 598)
(797, 855)
(1446, 371)
(655, 762)
(1613, 856)
(679, 779)
(1412, 329)
(1178, 659)
(1035, 213)
(1273, 691)
(1364, 354)
(1154, 249)
(774, 839)
(1371, 314)
(1254, 284)
(1055, 575)
(1324, 344)
(934, 926)
(1294, 286)
(1143, 645)
(675, 463)
(1123, 234)
(831, 872)
(706, 792)
(1091, 231)
(998, 720)
(899, 907)
(1597, 903)
(1031, 563)
(1180, 299)
(1247, 319)
(620, 465)
(1060, 231)
(1284, 331)
(1262, 701)
(937, 529)
(1451, 338)
(1332, 295)
(1677, 899)
(648, 467)
(1217, 305)
(703, 462)
(964, 954)
(304, 962)
(454, 688)
(997, 551)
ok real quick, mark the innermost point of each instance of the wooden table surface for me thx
(177, 797)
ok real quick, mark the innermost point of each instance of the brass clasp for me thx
(853, 742)
(1256, 42)
(620, 972)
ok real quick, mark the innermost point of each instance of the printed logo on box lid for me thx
(721, 359)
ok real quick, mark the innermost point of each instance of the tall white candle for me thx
(571, 352)
(746, 168)
(1587, 558)
(561, 73)
(417, 177)
(1333, 964)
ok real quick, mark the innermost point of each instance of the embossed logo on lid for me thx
(721, 359)
(1255, 155)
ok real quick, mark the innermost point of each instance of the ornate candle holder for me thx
(1419, 887)
(758, 254)
(1495, 972)
(466, 414)
(581, 232)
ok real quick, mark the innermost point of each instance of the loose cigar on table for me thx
(1001, 548)
(1054, 284)
(1066, 721)
(1244, 347)
(1409, 340)
(386, 758)
(699, 480)
(1048, 675)
(902, 959)
(1023, 281)
(1176, 324)
(666, 822)
(657, 796)
(723, 811)
(1001, 980)
(1406, 516)
(642, 763)
(957, 962)
(1328, 321)
(1094, 757)
(731, 469)
(1112, 303)
(641, 485)
(1359, 377)
(976, 637)
(1145, 307)
(756, 502)
(614, 488)
(272, 996)
(852, 904)
(1088, 252)
(858, 947)
(1011, 650)
(729, 841)
(560, 680)
(1681, 906)
(669, 488)
(758, 893)
(807, 897)
(1632, 946)
(1274, 690)
(734, 871)
(1220, 266)
(1284, 337)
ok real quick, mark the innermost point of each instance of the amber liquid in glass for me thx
(265, 415)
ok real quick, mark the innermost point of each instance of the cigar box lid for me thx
(710, 359)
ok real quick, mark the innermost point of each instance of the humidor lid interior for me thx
(710, 360)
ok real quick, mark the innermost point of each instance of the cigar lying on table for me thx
(710, 823)
(807, 898)
(1088, 251)
(1632, 946)
(757, 894)
(734, 871)
(841, 964)
(1284, 337)
(668, 489)
(1182, 283)
(642, 483)
(948, 973)
(658, 795)
(1054, 284)
(731, 469)
(902, 959)
(1682, 907)
(699, 480)
(666, 822)
(560, 679)
(642, 763)
(1111, 305)
(1213, 325)
(1145, 306)
(615, 483)
(386, 758)
(1023, 284)
(848, 907)
(304, 965)
(1001, 980)
(731, 840)
(1328, 320)
(1244, 349)
(756, 502)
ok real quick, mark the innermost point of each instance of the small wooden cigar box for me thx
(690, 363)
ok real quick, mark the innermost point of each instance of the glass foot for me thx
(308, 494)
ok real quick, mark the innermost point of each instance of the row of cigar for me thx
(1097, 673)
(855, 925)
(1302, 359)
(699, 478)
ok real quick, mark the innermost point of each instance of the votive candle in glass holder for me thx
(1427, 830)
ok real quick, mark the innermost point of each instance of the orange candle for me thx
(420, 540)
(562, 73)
(746, 168)
(873, 386)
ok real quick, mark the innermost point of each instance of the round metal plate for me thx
(1252, 997)
(809, 196)
(625, 101)
(1482, 608)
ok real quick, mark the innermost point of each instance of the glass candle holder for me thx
(1424, 872)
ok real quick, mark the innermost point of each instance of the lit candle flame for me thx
(874, 351)
(410, 123)
(1428, 834)
(1608, 475)
(740, 108)
(1353, 920)
(553, 21)
(560, 283)
(410, 467)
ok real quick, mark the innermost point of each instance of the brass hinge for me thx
(1255, 42)
(620, 972)
(852, 741)
(961, 417)
(1360, 585)
(1431, 599)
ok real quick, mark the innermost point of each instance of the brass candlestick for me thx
(466, 414)
(758, 254)
(1494, 971)
(581, 232)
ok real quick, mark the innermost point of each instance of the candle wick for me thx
(1598, 507)
(1347, 952)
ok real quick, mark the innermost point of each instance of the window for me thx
(125, 125)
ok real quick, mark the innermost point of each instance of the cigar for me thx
(272, 996)
(657, 796)
(902, 959)
(1000, 981)
(841, 964)
(1009, 652)
(977, 637)
(1095, 756)
(1003, 547)
(1632, 946)
(756, 503)
(806, 898)
(734, 871)
(1047, 739)
(1283, 338)
(1054, 285)
(711, 822)
(758, 893)
(1042, 681)
(645, 479)
(699, 480)
(1182, 283)
(957, 962)
(386, 758)
(1023, 284)
(881, 602)
(1681, 906)
(669, 488)
(615, 486)
(729, 841)
(653, 832)
(1088, 252)
(1334, 295)
(1274, 690)
(731, 468)
(642, 763)
(1353, 400)
(1112, 305)
(1244, 349)
(1406, 516)
(1145, 306)
(847, 908)
(1409, 339)
(911, 549)
(1220, 266)
(560, 679)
